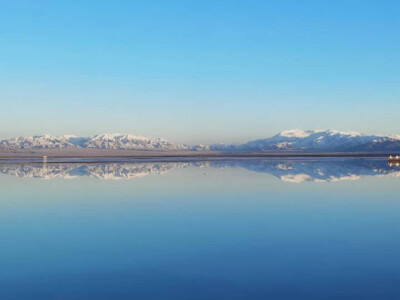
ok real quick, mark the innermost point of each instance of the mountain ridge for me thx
(294, 140)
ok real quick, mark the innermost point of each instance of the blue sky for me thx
(199, 71)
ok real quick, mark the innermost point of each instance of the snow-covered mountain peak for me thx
(394, 136)
(114, 141)
(118, 136)
(299, 133)
(44, 141)
(289, 140)
(346, 133)
(315, 140)
(70, 136)
(295, 133)
(119, 141)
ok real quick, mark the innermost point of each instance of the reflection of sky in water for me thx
(224, 231)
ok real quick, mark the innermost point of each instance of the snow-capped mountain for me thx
(131, 142)
(39, 142)
(101, 141)
(287, 141)
(317, 140)
(312, 140)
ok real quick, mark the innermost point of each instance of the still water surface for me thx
(225, 229)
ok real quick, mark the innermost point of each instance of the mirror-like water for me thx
(291, 170)
(222, 229)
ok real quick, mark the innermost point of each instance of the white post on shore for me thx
(44, 159)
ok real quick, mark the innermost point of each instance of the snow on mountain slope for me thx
(39, 142)
(295, 133)
(311, 140)
(289, 140)
(100, 141)
(131, 142)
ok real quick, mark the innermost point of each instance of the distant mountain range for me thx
(287, 141)
(317, 141)
(100, 141)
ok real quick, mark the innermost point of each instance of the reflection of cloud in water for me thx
(294, 170)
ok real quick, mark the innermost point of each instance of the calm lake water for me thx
(223, 229)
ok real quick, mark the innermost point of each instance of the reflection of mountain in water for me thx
(295, 170)
(320, 170)
(111, 171)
